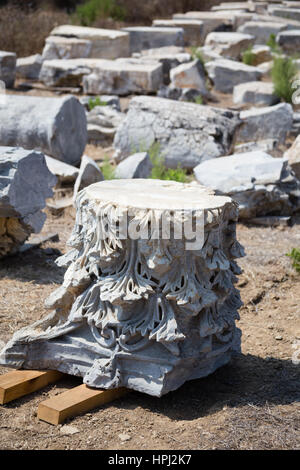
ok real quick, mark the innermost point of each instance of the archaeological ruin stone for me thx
(29, 67)
(292, 13)
(89, 173)
(212, 21)
(186, 133)
(66, 174)
(137, 165)
(149, 37)
(102, 123)
(261, 54)
(25, 183)
(192, 29)
(146, 311)
(105, 43)
(226, 74)
(260, 184)
(268, 122)
(123, 77)
(293, 156)
(8, 68)
(65, 72)
(55, 126)
(229, 45)
(59, 47)
(261, 30)
(190, 75)
(258, 93)
(289, 41)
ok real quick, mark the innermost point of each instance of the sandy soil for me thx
(252, 403)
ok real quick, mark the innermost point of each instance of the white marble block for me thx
(193, 29)
(148, 37)
(147, 312)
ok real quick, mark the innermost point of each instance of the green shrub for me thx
(108, 169)
(295, 256)
(198, 100)
(90, 11)
(273, 44)
(248, 56)
(93, 102)
(197, 54)
(283, 74)
(160, 172)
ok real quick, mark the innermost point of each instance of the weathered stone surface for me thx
(64, 172)
(25, 183)
(226, 74)
(266, 145)
(271, 122)
(148, 37)
(105, 43)
(55, 126)
(65, 72)
(266, 68)
(59, 47)
(293, 156)
(102, 122)
(193, 29)
(137, 165)
(212, 21)
(147, 314)
(289, 40)
(29, 67)
(261, 30)
(208, 53)
(229, 45)
(89, 173)
(186, 133)
(8, 68)
(259, 183)
(190, 75)
(259, 93)
(262, 54)
(182, 94)
(292, 13)
(122, 77)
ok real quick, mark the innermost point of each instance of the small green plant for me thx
(159, 170)
(273, 44)
(197, 54)
(295, 256)
(198, 100)
(88, 12)
(93, 102)
(248, 56)
(284, 72)
(108, 169)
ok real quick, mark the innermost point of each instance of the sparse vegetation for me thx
(198, 100)
(197, 54)
(248, 56)
(90, 11)
(295, 256)
(159, 170)
(273, 44)
(283, 74)
(93, 102)
(108, 169)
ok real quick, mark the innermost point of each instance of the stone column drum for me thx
(147, 313)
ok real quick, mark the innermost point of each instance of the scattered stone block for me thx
(29, 67)
(89, 173)
(212, 21)
(193, 29)
(148, 37)
(8, 68)
(262, 54)
(59, 47)
(293, 157)
(271, 122)
(258, 93)
(69, 73)
(190, 75)
(102, 122)
(55, 126)
(261, 30)
(122, 317)
(291, 13)
(266, 145)
(226, 74)
(259, 183)
(137, 165)
(186, 133)
(25, 184)
(229, 45)
(65, 173)
(289, 41)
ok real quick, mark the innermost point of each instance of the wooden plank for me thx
(18, 383)
(75, 401)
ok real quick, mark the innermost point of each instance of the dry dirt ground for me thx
(252, 403)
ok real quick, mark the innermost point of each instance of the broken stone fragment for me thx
(89, 173)
(137, 165)
(8, 68)
(25, 184)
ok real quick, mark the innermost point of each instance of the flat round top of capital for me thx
(156, 194)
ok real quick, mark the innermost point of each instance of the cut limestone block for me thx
(261, 54)
(259, 183)
(29, 67)
(289, 41)
(63, 72)
(271, 122)
(25, 184)
(8, 68)
(229, 45)
(65, 173)
(105, 43)
(193, 29)
(102, 122)
(226, 74)
(190, 75)
(123, 77)
(186, 133)
(89, 173)
(141, 311)
(212, 21)
(258, 93)
(137, 165)
(261, 30)
(148, 37)
(58, 47)
(293, 157)
(55, 126)
(291, 13)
